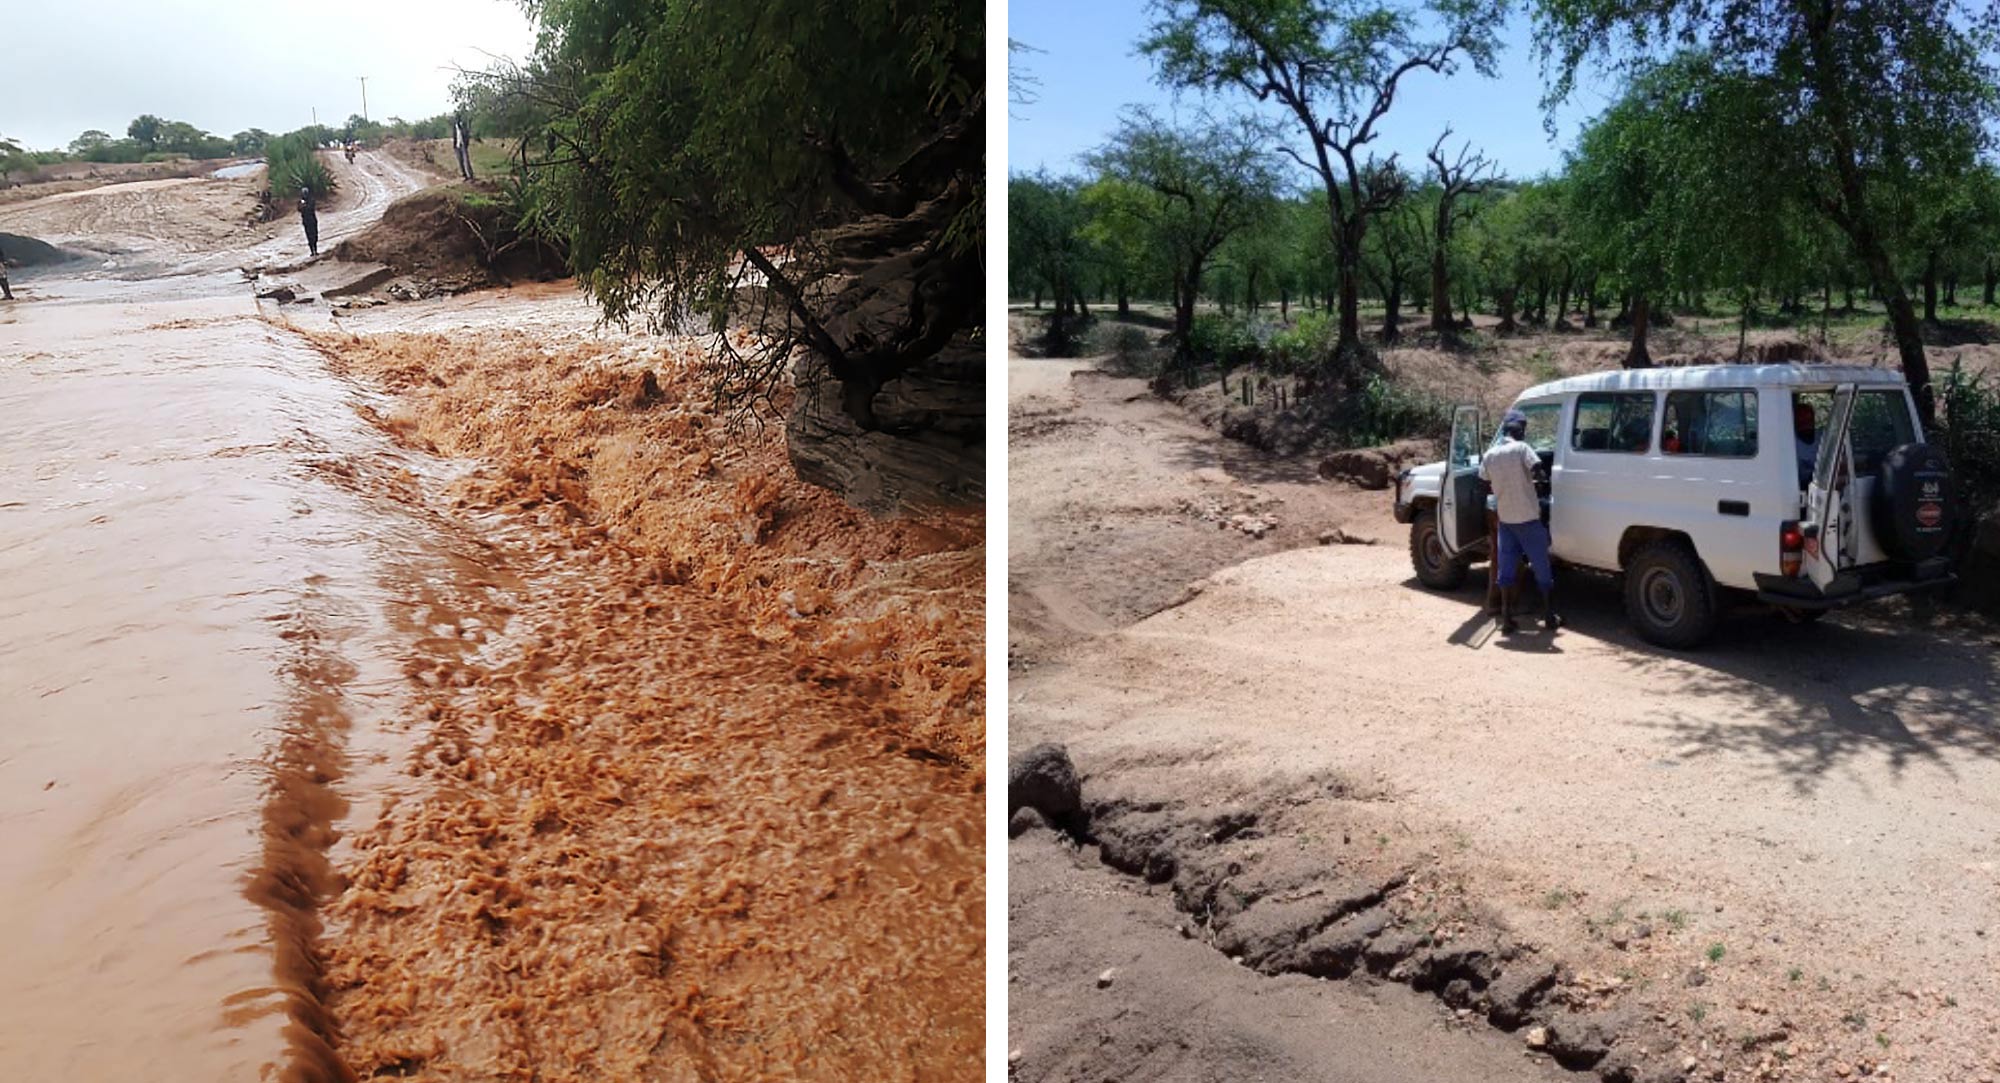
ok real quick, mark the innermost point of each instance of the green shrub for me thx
(293, 164)
(1305, 343)
(1969, 431)
(1382, 413)
(1227, 341)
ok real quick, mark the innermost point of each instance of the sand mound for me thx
(458, 234)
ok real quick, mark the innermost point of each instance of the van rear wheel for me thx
(1669, 596)
(1434, 569)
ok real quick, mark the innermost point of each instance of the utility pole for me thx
(364, 96)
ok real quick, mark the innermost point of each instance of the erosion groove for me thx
(295, 877)
(1308, 909)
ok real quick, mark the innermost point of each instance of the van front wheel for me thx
(1669, 596)
(1434, 569)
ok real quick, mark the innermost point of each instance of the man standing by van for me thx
(1509, 466)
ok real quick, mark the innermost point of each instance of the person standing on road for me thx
(461, 143)
(309, 218)
(6, 291)
(1509, 466)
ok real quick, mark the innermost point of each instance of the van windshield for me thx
(1542, 418)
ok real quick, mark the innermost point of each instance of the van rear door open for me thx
(1829, 546)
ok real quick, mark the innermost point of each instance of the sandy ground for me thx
(1801, 816)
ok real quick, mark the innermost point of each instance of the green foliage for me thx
(1187, 191)
(1969, 431)
(1227, 341)
(1305, 344)
(1382, 412)
(250, 142)
(292, 163)
(145, 130)
(1334, 66)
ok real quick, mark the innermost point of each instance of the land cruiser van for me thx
(1807, 487)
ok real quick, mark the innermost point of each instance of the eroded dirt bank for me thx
(1769, 860)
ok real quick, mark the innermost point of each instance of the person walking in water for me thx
(309, 218)
(1509, 466)
(6, 291)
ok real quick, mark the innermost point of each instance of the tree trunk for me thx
(1637, 357)
(1951, 290)
(1590, 302)
(1285, 303)
(1847, 295)
(1350, 302)
(1986, 297)
(1440, 292)
(1038, 298)
(1562, 302)
(1124, 301)
(1505, 296)
(1391, 331)
(1930, 286)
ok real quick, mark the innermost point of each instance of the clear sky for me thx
(1090, 68)
(229, 65)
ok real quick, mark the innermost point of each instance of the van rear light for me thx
(1791, 547)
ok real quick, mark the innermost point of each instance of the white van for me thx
(1695, 482)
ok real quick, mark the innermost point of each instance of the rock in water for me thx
(1042, 778)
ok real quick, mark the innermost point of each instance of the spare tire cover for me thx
(1912, 512)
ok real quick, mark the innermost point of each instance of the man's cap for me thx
(1514, 418)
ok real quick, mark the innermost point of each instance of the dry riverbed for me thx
(1772, 859)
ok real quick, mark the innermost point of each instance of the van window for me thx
(1614, 421)
(1881, 423)
(1542, 418)
(1719, 424)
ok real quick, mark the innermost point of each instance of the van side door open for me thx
(1829, 543)
(1461, 511)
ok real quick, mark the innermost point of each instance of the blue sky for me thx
(1090, 68)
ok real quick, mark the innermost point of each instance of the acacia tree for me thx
(1397, 249)
(1120, 231)
(1213, 181)
(1866, 96)
(145, 130)
(1335, 67)
(813, 171)
(1466, 175)
(1046, 242)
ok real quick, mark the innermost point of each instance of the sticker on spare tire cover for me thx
(1929, 514)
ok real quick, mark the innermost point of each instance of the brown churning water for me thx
(192, 634)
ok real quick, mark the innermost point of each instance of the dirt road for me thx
(196, 225)
(1790, 832)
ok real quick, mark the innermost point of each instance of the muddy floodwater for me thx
(444, 693)
(185, 602)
